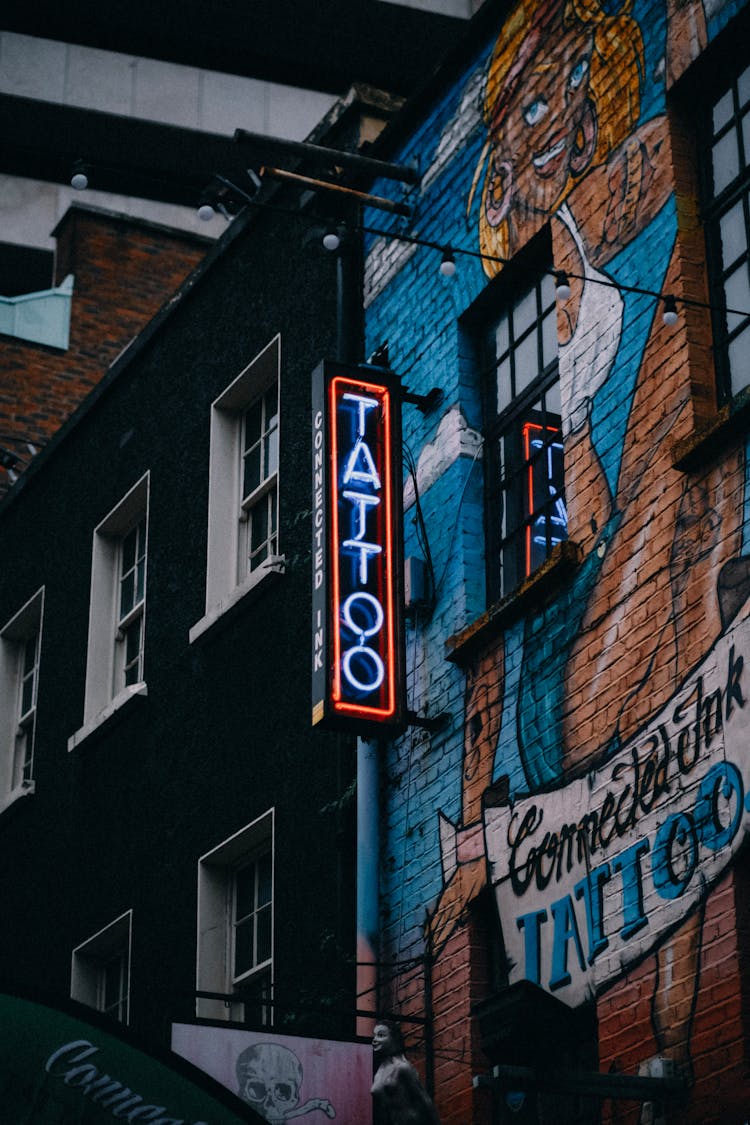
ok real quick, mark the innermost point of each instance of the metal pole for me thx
(367, 881)
(322, 155)
(377, 201)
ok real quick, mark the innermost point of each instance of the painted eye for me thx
(578, 73)
(535, 111)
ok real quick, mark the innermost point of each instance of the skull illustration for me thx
(269, 1078)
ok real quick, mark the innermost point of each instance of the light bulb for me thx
(331, 240)
(448, 263)
(669, 316)
(562, 285)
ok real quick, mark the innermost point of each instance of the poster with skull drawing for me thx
(283, 1077)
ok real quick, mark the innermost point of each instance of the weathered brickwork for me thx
(124, 272)
(590, 766)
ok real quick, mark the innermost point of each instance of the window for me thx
(728, 228)
(100, 972)
(131, 549)
(115, 656)
(526, 513)
(260, 461)
(243, 487)
(235, 925)
(20, 645)
(251, 921)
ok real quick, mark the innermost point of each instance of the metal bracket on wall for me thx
(591, 1084)
(426, 403)
(428, 722)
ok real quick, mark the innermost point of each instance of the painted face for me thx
(540, 134)
(382, 1042)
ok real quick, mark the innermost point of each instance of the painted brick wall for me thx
(566, 700)
(124, 272)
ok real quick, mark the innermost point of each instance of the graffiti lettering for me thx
(645, 782)
(712, 824)
(667, 814)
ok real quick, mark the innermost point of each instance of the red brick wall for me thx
(458, 980)
(718, 1073)
(124, 272)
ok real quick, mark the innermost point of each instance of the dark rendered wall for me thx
(224, 733)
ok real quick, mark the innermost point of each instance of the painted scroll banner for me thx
(592, 876)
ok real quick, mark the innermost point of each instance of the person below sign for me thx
(398, 1096)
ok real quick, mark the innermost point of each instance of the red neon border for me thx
(340, 706)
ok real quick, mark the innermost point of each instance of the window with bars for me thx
(251, 932)
(727, 214)
(243, 488)
(258, 538)
(524, 478)
(112, 987)
(115, 655)
(235, 926)
(28, 680)
(128, 664)
(20, 649)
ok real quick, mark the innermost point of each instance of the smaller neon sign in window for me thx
(544, 504)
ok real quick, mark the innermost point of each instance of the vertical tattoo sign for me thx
(357, 655)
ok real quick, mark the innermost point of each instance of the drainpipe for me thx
(368, 838)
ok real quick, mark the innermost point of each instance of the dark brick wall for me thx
(224, 733)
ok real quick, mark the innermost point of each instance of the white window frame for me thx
(17, 730)
(226, 583)
(105, 658)
(216, 917)
(90, 959)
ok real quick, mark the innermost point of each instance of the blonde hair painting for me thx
(615, 78)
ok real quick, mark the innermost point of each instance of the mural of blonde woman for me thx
(567, 144)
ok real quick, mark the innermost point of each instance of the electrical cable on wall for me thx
(420, 525)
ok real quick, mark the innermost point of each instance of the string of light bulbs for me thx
(335, 232)
(449, 252)
(562, 278)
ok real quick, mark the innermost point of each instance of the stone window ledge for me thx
(25, 789)
(252, 588)
(545, 581)
(106, 718)
(711, 438)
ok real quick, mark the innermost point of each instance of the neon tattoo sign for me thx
(357, 598)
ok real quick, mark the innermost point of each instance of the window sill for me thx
(547, 579)
(254, 585)
(105, 718)
(25, 789)
(708, 440)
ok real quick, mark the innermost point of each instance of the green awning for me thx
(63, 1065)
